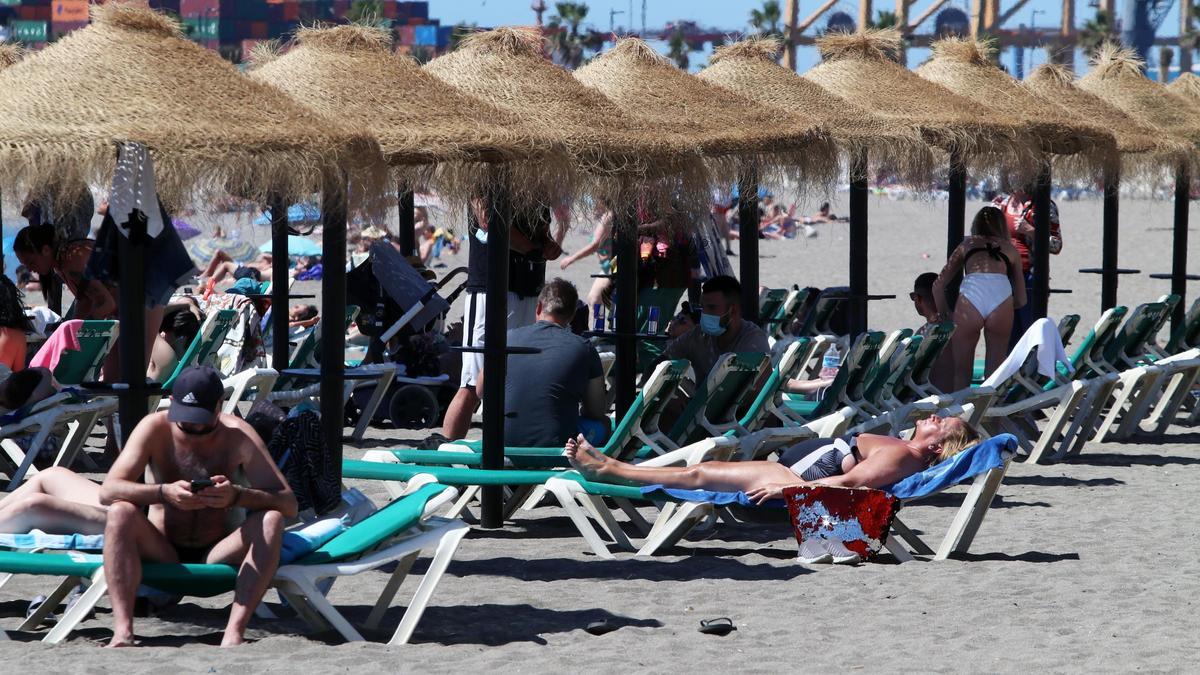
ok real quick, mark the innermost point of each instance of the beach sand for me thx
(1085, 565)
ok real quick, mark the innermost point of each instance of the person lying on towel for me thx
(865, 460)
(192, 449)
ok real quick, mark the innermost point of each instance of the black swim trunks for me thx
(193, 555)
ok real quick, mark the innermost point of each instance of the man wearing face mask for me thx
(721, 331)
(192, 450)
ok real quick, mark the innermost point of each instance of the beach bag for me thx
(307, 465)
(858, 518)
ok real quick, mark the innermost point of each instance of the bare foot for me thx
(584, 458)
(232, 640)
(122, 641)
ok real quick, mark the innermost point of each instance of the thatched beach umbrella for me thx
(624, 159)
(750, 69)
(1118, 77)
(965, 66)
(428, 131)
(1141, 149)
(132, 76)
(862, 69)
(741, 140)
(9, 54)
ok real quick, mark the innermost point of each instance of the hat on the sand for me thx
(196, 396)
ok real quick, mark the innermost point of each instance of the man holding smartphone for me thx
(192, 450)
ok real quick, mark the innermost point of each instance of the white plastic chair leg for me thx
(403, 566)
(437, 568)
(80, 610)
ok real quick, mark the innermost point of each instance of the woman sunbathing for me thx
(866, 460)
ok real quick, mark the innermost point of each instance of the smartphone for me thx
(199, 484)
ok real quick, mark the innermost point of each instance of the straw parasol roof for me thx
(506, 67)
(1117, 77)
(132, 76)
(723, 123)
(861, 68)
(965, 67)
(750, 68)
(350, 73)
(1187, 86)
(1141, 144)
(10, 54)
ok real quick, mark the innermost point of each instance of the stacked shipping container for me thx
(236, 24)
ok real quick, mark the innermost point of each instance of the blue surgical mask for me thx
(710, 324)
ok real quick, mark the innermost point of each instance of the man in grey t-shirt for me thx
(543, 392)
(722, 329)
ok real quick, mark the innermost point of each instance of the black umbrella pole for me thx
(333, 335)
(280, 349)
(1109, 277)
(1041, 242)
(132, 313)
(748, 242)
(1183, 184)
(956, 222)
(407, 235)
(495, 351)
(625, 245)
(858, 245)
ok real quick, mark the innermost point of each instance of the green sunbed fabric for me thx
(45, 564)
(398, 516)
(352, 468)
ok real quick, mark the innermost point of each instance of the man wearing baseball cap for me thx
(191, 450)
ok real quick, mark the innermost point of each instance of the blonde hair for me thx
(957, 441)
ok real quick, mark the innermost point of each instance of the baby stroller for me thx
(403, 316)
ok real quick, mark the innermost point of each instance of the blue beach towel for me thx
(59, 542)
(964, 466)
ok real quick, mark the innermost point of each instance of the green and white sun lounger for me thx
(558, 484)
(396, 533)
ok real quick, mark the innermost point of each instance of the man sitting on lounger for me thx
(866, 460)
(193, 450)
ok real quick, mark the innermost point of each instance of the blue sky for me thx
(732, 15)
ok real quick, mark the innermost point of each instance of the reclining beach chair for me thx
(1069, 402)
(72, 409)
(396, 533)
(395, 475)
(983, 464)
(845, 389)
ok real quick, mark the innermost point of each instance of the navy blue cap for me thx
(196, 396)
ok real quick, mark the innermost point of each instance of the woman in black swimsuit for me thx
(867, 460)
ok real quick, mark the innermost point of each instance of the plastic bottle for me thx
(831, 362)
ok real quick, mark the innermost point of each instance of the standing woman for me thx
(601, 245)
(38, 248)
(992, 288)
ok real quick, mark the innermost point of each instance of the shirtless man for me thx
(191, 441)
(866, 460)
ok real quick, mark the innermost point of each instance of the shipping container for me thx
(425, 36)
(414, 10)
(61, 28)
(444, 33)
(199, 7)
(69, 11)
(405, 35)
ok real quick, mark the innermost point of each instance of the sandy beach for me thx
(1085, 565)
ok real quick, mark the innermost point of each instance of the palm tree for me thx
(566, 40)
(1096, 31)
(678, 49)
(369, 12)
(765, 21)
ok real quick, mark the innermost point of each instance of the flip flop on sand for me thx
(602, 627)
(721, 626)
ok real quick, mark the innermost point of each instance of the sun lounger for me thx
(396, 533)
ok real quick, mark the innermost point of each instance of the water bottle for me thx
(652, 320)
(598, 317)
(831, 362)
